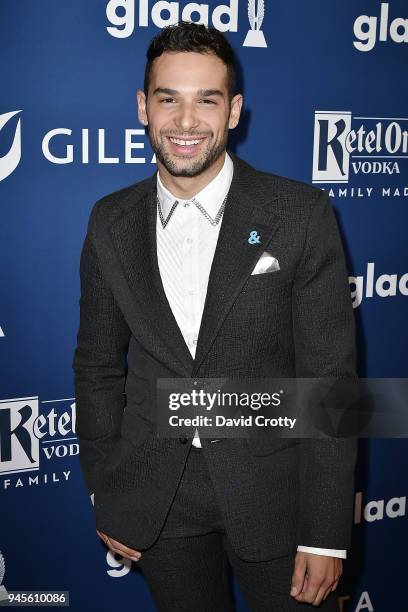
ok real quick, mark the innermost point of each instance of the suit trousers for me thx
(189, 566)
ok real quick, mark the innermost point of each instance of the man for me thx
(167, 290)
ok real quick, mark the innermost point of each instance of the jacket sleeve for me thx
(324, 336)
(99, 363)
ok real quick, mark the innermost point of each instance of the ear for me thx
(141, 107)
(235, 111)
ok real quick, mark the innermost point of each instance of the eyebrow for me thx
(205, 93)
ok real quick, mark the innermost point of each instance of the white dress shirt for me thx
(186, 241)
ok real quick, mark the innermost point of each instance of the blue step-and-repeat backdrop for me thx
(325, 87)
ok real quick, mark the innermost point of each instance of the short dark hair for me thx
(190, 36)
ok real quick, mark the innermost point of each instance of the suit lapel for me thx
(248, 208)
(168, 324)
(138, 285)
(135, 276)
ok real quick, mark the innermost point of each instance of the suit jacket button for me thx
(183, 440)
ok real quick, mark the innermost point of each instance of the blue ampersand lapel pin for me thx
(254, 237)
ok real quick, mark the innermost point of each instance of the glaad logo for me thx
(366, 31)
(364, 603)
(224, 17)
(373, 142)
(386, 285)
(10, 161)
(378, 509)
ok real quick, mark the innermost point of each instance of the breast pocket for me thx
(266, 280)
(264, 293)
(260, 447)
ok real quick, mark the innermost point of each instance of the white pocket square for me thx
(266, 263)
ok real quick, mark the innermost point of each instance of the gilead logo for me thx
(58, 149)
(385, 285)
(10, 161)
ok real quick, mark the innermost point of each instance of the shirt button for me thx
(195, 341)
(189, 240)
(185, 204)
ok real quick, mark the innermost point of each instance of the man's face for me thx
(188, 111)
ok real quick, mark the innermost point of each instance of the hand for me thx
(314, 577)
(117, 547)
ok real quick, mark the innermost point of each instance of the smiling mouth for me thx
(185, 145)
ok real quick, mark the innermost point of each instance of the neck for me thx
(185, 187)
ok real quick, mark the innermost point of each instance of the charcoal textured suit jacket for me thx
(295, 322)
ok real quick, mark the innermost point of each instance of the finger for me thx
(118, 548)
(103, 537)
(121, 554)
(132, 557)
(310, 594)
(325, 587)
(298, 575)
(124, 549)
(328, 591)
(338, 574)
(304, 587)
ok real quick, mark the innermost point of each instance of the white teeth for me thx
(184, 143)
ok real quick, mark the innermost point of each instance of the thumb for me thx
(298, 575)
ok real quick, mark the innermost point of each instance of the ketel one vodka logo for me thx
(23, 429)
(361, 145)
(19, 447)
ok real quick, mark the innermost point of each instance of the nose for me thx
(186, 118)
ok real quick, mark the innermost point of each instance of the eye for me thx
(207, 101)
(166, 100)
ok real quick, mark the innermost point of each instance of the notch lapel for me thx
(135, 276)
(247, 208)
